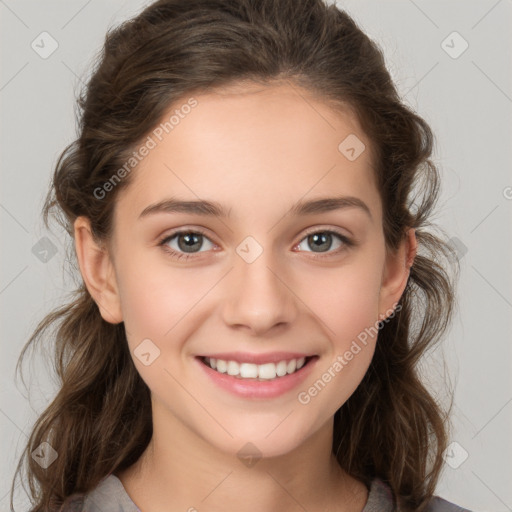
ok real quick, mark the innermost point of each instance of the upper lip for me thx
(245, 357)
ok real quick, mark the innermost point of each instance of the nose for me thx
(258, 299)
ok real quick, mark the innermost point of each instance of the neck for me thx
(181, 471)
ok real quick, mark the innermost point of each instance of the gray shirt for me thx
(111, 496)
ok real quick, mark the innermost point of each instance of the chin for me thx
(262, 440)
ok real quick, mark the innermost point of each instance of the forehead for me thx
(249, 142)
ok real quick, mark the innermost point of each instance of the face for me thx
(279, 273)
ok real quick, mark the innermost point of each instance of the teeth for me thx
(266, 371)
(233, 368)
(248, 371)
(292, 365)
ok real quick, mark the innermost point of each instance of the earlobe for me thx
(97, 272)
(396, 273)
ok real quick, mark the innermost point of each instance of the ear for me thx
(396, 273)
(97, 272)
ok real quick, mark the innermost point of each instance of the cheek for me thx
(157, 305)
(346, 299)
(347, 307)
(155, 298)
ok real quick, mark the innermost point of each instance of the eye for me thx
(322, 241)
(188, 243)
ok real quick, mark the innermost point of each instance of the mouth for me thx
(245, 371)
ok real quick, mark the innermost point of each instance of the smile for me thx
(267, 371)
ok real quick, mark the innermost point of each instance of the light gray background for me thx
(468, 102)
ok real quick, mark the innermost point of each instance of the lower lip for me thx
(249, 388)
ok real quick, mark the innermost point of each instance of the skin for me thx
(257, 150)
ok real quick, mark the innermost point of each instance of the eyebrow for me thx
(212, 208)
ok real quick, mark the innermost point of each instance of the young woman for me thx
(249, 202)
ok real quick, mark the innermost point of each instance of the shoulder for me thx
(438, 504)
(109, 495)
(380, 499)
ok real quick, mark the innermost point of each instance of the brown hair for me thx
(100, 420)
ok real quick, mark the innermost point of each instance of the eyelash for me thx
(178, 255)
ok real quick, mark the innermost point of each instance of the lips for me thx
(256, 387)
